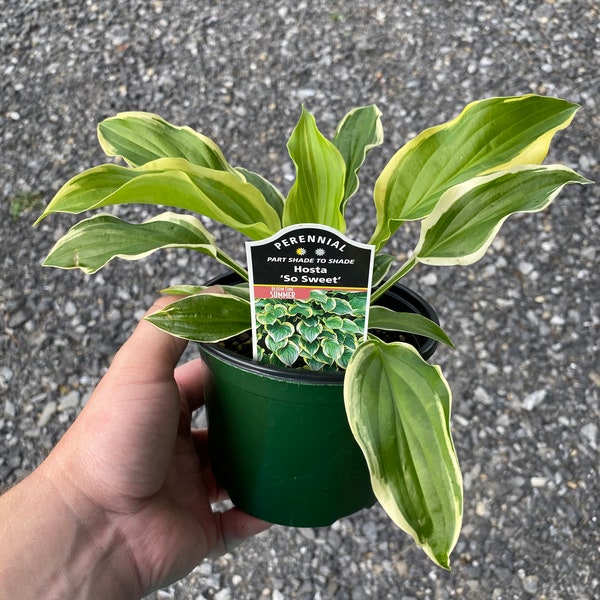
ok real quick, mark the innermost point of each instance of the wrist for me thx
(55, 543)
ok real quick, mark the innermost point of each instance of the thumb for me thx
(149, 351)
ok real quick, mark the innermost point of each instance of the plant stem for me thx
(401, 272)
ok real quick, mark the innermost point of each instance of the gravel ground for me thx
(526, 375)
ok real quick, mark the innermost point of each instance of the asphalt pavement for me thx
(525, 319)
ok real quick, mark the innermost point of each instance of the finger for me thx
(235, 526)
(200, 439)
(150, 354)
(190, 379)
(215, 492)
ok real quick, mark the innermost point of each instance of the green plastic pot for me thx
(279, 439)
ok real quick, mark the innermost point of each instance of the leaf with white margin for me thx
(489, 135)
(93, 242)
(204, 318)
(357, 133)
(219, 195)
(318, 191)
(468, 216)
(398, 408)
(141, 137)
(381, 317)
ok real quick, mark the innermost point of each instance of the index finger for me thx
(190, 378)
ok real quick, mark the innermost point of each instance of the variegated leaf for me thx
(489, 135)
(398, 407)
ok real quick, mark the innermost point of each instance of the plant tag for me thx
(310, 288)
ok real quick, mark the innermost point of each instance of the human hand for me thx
(134, 477)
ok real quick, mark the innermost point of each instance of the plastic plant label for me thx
(310, 288)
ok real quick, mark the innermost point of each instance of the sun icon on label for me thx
(300, 251)
(320, 252)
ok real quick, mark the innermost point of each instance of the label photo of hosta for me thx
(310, 288)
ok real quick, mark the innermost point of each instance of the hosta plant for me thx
(323, 331)
(460, 179)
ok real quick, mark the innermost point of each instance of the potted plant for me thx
(369, 415)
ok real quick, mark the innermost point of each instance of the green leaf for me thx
(350, 341)
(219, 195)
(350, 326)
(240, 291)
(141, 137)
(279, 310)
(288, 354)
(308, 347)
(341, 307)
(309, 332)
(332, 349)
(314, 365)
(358, 302)
(275, 344)
(319, 296)
(469, 215)
(326, 334)
(87, 189)
(272, 360)
(318, 191)
(90, 244)
(384, 318)
(204, 317)
(266, 317)
(344, 360)
(320, 356)
(398, 407)
(381, 267)
(300, 308)
(281, 331)
(358, 132)
(333, 322)
(272, 195)
(489, 135)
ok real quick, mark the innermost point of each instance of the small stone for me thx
(277, 595)
(370, 531)
(71, 400)
(534, 399)
(306, 93)
(6, 374)
(481, 509)
(429, 279)
(13, 462)
(9, 409)
(359, 593)
(70, 309)
(47, 413)
(531, 584)
(589, 433)
(204, 568)
(307, 532)
(481, 396)
(224, 594)
(538, 482)
(526, 268)
(18, 319)
(588, 253)
(114, 315)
